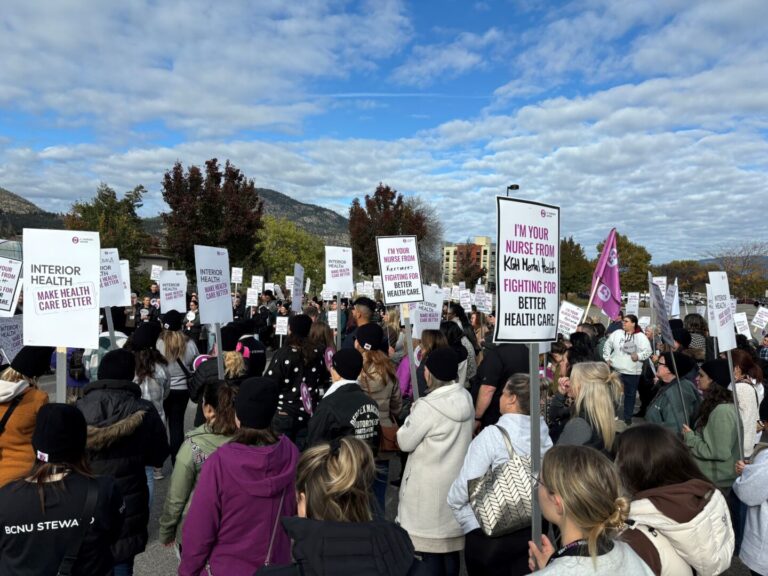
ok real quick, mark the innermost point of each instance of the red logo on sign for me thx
(75, 239)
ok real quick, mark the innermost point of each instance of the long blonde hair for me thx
(336, 480)
(175, 343)
(234, 365)
(597, 392)
(589, 486)
(13, 375)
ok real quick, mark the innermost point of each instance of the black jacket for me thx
(125, 434)
(346, 412)
(377, 548)
(289, 370)
(500, 361)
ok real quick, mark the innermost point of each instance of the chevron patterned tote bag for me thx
(501, 498)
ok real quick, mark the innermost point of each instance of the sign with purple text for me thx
(212, 265)
(338, 269)
(400, 270)
(528, 271)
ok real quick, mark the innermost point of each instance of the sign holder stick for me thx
(409, 348)
(679, 387)
(61, 375)
(219, 351)
(591, 298)
(739, 431)
(110, 327)
(533, 365)
(338, 321)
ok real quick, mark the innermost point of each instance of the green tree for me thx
(691, 274)
(634, 263)
(282, 244)
(218, 208)
(117, 223)
(384, 214)
(575, 268)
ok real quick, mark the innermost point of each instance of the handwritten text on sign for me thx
(399, 267)
(528, 272)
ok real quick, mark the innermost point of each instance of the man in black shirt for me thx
(500, 362)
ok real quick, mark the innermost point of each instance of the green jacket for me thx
(716, 446)
(199, 443)
(666, 408)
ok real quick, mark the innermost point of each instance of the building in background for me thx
(467, 261)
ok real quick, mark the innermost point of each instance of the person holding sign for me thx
(625, 351)
(20, 401)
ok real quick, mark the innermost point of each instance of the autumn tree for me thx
(575, 268)
(691, 274)
(746, 265)
(282, 244)
(468, 267)
(634, 263)
(117, 222)
(215, 208)
(385, 213)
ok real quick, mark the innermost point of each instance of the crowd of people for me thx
(297, 448)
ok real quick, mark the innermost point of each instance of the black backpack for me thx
(75, 366)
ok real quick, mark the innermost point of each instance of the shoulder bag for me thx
(73, 549)
(502, 497)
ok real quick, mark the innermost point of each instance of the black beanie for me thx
(348, 363)
(33, 361)
(718, 371)
(118, 364)
(682, 336)
(300, 325)
(229, 337)
(684, 363)
(172, 320)
(370, 336)
(676, 324)
(256, 402)
(146, 335)
(60, 434)
(443, 364)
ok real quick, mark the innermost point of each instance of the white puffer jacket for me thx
(619, 348)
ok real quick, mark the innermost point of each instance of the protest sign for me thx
(427, 314)
(173, 290)
(377, 282)
(10, 285)
(569, 318)
(62, 271)
(125, 276)
(359, 288)
(633, 303)
(662, 318)
(269, 286)
(480, 289)
(338, 269)
(528, 271)
(155, 273)
(257, 283)
(485, 303)
(211, 266)
(661, 282)
(670, 297)
(733, 306)
(307, 285)
(742, 324)
(297, 287)
(455, 292)
(11, 335)
(252, 297)
(462, 285)
(326, 294)
(721, 299)
(465, 299)
(400, 270)
(761, 318)
(333, 319)
(237, 275)
(644, 322)
(701, 311)
(711, 321)
(110, 281)
(368, 288)
(281, 326)
(289, 283)
(446, 294)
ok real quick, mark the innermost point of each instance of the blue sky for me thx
(648, 116)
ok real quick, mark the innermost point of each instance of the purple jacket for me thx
(234, 508)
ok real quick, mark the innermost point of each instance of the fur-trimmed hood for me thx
(100, 438)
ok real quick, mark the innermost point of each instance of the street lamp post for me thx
(512, 187)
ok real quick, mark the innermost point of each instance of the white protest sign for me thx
(368, 288)
(257, 283)
(485, 303)
(661, 282)
(281, 326)
(455, 291)
(173, 290)
(333, 319)
(377, 282)
(212, 265)
(62, 270)
(326, 294)
(644, 322)
(110, 282)
(297, 287)
(10, 285)
(742, 324)
(721, 296)
(465, 299)
(569, 318)
(711, 321)
(307, 285)
(155, 273)
(662, 319)
(237, 275)
(427, 314)
(338, 269)
(289, 283)
(400, 270)
(670, 297)
(11, 335)
(359, 287)
(278, 291)
(462, 285)
(269, 286)
(734, 305)
(252, 297)
(633, 303)
(701, 311)
(446, 294)
(479, 289)
(125, 276)
(761, 318)
(528, 271)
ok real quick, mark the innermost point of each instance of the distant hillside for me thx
(11, 203)
(326, 224)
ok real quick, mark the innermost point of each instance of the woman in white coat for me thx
(752, 489)
(437, 434)
(503, 555)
